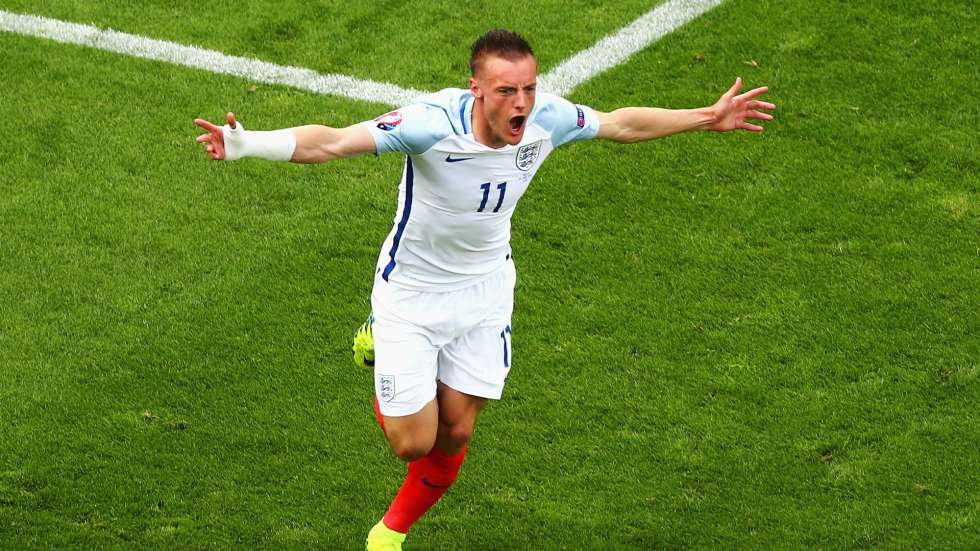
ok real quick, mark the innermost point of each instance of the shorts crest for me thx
(386, 387)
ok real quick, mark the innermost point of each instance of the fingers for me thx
(217, 151)
(753, 93)
(207, 126)
(231, 120)
(744, 106)
(758, 115)
(214, 149)
(760, 105)
(750, 127)
(214, 140)
(735, 88)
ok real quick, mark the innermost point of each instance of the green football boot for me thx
(363, 347)
(382, 538)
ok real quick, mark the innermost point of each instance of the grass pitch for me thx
(721, 341)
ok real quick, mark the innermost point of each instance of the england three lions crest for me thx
(385, 387)
(527, 154)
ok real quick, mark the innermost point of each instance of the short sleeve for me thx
(566, 121)
(412, 129)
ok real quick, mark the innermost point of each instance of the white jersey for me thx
(457, 196)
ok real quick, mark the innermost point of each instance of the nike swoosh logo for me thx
(450, 159)
(434, 486)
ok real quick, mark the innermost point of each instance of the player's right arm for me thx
(303, 144)
(319, 144)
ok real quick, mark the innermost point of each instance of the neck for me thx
(482, 132)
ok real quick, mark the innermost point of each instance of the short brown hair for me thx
(502, 42)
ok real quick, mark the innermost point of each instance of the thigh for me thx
(457, 418)
(412, 436)
(457, 409)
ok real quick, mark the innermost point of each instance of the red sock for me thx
(428, 478)
(377, 413)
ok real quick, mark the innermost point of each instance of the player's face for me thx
(505, 89)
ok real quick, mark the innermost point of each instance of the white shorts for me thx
(460, 337)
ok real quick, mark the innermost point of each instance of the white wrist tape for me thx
(274, 145)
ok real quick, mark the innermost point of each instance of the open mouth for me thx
(516, 123)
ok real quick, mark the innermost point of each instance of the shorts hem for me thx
(478, 391)
(381, 406)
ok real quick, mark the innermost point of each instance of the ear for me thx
(475, 88)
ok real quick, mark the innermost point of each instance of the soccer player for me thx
(443, 289)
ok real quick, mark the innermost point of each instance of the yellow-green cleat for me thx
(382, 538)
(363, 346)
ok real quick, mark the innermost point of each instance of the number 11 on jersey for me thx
(501, 187)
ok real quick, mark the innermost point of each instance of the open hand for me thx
(731, 111)
(214, 140)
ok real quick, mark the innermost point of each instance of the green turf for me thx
(721, 341)
(363, 39)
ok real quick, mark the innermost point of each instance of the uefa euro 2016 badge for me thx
(386, 387)
(527, 154)
(389, 121)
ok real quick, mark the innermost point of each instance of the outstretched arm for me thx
(303, 144)
(730, 112)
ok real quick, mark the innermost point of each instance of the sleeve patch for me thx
(581, 117)
(389, 121)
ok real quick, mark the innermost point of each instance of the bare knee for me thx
(411, 437)
(453, 436)
(410, 451)
(411, 445)
(457, 417)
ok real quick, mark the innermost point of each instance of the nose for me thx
(522, 100)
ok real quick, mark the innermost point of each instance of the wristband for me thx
(273, 145)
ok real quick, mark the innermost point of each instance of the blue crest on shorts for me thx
(386, 387)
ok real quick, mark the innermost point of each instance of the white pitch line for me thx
(209, 60)
(618, 47)
(605, 54)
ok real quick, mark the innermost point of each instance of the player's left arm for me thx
(730, 112)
